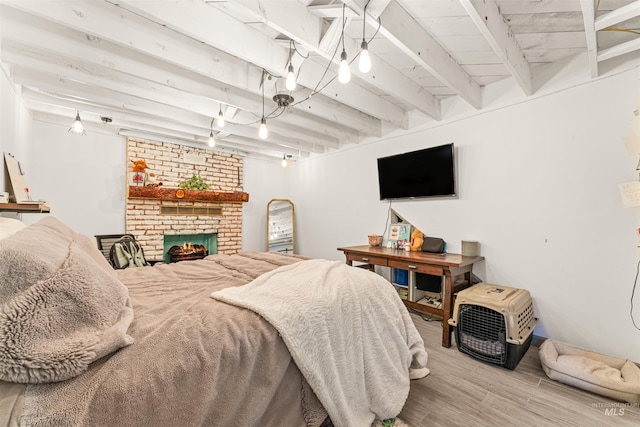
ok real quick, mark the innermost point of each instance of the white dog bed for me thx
(594, 372)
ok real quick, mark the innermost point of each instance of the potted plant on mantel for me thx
(194, 184)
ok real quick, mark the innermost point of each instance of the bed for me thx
(251, 339)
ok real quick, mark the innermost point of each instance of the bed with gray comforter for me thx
(84, 345)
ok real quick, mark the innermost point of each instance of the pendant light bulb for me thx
(212, 140)
(284, 162)
(77, 128)
(220, 121)
(291, 78)
(365, 59)
(344, 74)
(263, 132)
(77, 125)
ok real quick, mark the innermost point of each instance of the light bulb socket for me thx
(364, 45)
(343, 55)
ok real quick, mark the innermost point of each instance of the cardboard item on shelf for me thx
(18, 184)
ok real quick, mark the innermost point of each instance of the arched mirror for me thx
(280, 237)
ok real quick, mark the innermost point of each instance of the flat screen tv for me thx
(424, 173)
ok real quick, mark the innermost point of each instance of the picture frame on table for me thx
(399, 235)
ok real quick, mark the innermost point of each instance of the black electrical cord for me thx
(386, 224)
(315, 89)
(633, 292)
(341, 41)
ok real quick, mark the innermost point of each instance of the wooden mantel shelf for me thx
(161, 193)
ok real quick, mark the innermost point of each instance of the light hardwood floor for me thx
(461, 391)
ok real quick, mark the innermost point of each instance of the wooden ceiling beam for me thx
(617, 15)
(162, 132)
(399, 27)
(621, 49)
(127, 29)
(193, 19)
(382, 76)
(488, 19)
(81, 91)
(588, 17)
(105, 56)
(66, 110)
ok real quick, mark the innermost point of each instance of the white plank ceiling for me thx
(164, 69)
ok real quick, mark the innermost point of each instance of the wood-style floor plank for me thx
(462, 391)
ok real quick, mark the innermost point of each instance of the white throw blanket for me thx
(347, 330)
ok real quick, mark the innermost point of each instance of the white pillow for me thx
(8, 226)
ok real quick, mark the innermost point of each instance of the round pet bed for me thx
(594, 372)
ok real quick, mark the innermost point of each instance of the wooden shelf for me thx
(25, 207)
(160, 193)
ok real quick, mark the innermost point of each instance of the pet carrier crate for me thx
(493, 323)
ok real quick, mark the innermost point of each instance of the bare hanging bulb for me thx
(263, 132)
(364, 64)
(212, 140)
(291, 78)
(284, 162)
(344, 74)
(220, 121)
(77, 128)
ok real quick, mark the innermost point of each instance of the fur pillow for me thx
(59, 308)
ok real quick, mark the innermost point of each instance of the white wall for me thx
(538, 188)
(15, 127)
(82, 177)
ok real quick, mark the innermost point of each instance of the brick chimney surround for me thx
(172, 164)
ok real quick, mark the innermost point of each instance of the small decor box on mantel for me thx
(137, 179)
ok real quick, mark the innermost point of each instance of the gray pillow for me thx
(60, 308)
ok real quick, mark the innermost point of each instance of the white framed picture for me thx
(399, 235)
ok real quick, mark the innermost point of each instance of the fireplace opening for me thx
(186, 252)
(185, 247)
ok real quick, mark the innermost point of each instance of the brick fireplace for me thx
(151, 219)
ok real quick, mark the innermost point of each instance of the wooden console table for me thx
(451, 266)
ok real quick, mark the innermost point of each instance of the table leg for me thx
(447, 308)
